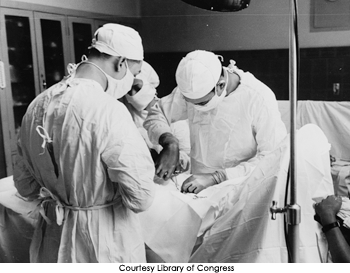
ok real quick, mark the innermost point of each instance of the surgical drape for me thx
(231, 222)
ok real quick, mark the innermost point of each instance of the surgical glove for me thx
(168, 159)
(184, 163)
(328, 208)
(198, 182)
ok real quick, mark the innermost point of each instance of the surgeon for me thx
(142, 94)
(233, 118)
(81, 156)
(140, 98)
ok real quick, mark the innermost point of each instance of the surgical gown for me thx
(233, 137)
(93, 183)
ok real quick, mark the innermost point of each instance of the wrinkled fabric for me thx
(174, 221)
(180, 129)
(231, 222)
(341, 175)
(151, 81)
(331, 116)
(16, 226)
(233, 137)
(102, 161)
(246, 233)
(15, 237)
(236, 210)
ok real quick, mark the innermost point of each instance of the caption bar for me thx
(176, 268)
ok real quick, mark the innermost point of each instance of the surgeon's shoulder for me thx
(41, 100)
(116, 109)
(91, 93)
(257, 95)
(173, 98)
(256, 88)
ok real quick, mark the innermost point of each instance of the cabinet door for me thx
(52, 46)
(80, 36)
(20, 85)
(35, 53)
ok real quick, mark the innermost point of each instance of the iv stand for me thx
(293, 210)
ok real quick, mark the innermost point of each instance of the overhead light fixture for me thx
(219, 5)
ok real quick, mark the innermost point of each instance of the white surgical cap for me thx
(148, 91)
(149, 74)
(198, 73)
(118, 40)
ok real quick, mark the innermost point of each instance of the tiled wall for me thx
(319, 69)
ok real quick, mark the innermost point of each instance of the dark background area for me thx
(319, 69)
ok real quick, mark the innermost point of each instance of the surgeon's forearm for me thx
(243, 169)
(156, 125)
(25, 183)
(246, 167)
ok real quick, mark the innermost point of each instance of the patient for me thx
(326, 215)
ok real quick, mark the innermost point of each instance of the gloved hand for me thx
(184, 163)
(168, 159)
(198, 182)
(328, 208)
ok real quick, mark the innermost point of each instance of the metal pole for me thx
(293, 211)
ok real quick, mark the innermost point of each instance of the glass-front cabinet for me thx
(52, 47)
(36, 48)
(82, 30)
(20, 74)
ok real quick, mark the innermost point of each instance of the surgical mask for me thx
(115, 88)
(143, 97)
(118, 88)
(215, 100)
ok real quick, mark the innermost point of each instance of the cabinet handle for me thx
(2, 75)
(43, 82)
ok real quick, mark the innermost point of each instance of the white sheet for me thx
(247, 234)
(9, 198)
(331, 116)
(234, 216)
(174, 221)
(340, 171)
